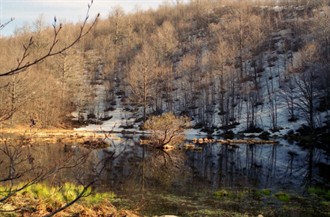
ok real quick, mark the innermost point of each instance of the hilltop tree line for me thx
(218, 62)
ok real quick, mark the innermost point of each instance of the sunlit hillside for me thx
(227, 65)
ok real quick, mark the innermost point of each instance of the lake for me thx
(173, 182)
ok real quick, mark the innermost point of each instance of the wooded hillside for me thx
(218, 62)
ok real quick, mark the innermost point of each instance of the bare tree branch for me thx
(2, 26)
(15, 157)
(80, 195)
(83, 192)
(23, 63)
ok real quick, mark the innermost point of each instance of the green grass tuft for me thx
(284, 197)
(63, 194)
(320, 192)
(221, 193)
(98, 198)
(265, 192)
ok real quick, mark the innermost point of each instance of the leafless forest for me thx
(217, 62)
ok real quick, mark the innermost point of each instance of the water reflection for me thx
(277, 167)
(136, 167)
(129, 166)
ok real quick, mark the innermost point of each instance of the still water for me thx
(280, 166)
(133, 171)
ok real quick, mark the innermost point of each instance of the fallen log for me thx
(247, 141)
(233, 141)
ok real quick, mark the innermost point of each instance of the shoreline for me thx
(23, 137)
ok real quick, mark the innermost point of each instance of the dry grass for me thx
(30, 136)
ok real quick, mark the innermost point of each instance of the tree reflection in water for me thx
(262, 166)
(136, 170)
(136, 167)
(130, 167)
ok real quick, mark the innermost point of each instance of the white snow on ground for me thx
(122, 118)
(119, 118)
(272, 76)
(193, 133)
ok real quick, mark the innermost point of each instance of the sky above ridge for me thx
(26, 12)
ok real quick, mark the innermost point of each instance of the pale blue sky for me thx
(27, 11)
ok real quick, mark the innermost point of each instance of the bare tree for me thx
(288, 93)
(166, 129)
(165, 41)
(321, 32)
(142, 77)
(187, 73)
(222, 64)
(307, 82)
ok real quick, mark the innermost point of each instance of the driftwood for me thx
(221, 141)
(233, 141)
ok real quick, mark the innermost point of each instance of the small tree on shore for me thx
(166, 129)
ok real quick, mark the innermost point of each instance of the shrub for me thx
(166, 129)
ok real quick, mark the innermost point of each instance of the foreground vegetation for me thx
(41, 199)
(244, 202)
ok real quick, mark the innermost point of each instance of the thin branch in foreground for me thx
(23, 64)
(82, 193)
(2, 26)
